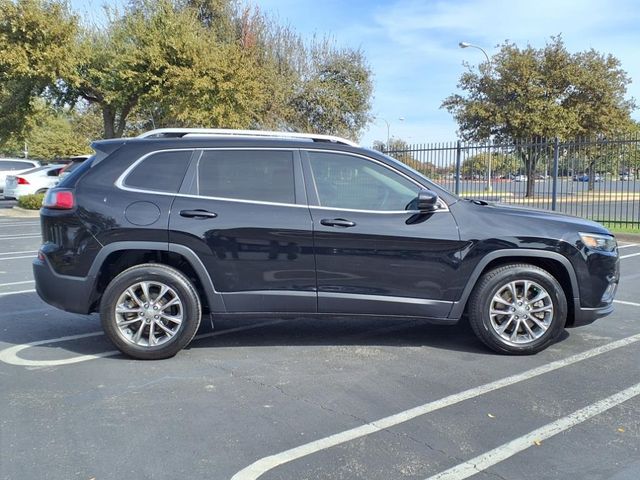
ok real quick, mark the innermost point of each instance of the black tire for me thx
(189, 307)
(42, 190)
(494, 281)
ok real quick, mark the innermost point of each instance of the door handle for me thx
(197, 214)
(337, 222)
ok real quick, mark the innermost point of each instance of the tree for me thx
(527, 96)
(402, 151)
(177, 63)
(335, 93)
(36, 50)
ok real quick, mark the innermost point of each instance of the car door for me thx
(244, 212)
(374, 256)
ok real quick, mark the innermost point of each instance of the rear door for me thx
(244, 212)
(373, 255)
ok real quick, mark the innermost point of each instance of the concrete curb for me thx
(628, 237)
(17, 212)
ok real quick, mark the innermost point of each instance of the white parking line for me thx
(18, 253)
(16, 283)
(630, 255)
(622, 302)
(6, 294)
(628, 245)
(10, 355)
(24, 224)
(18, 237)
(262, 466)
(497, 455)
(17, 258)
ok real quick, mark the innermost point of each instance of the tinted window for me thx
(15, 165)
(160, 172)
(263, 175)
(68, 180)
(345, 181)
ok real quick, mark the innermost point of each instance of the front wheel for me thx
(518, 309)
(150, 311)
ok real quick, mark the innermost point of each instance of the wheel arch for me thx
(118, 256)
(556, 264)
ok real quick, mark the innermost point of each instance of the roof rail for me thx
(183, 132)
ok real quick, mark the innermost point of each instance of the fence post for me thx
(556, 156)
(458, 158)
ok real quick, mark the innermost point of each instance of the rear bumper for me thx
(72, 294)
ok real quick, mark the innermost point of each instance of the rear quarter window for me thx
(160, 172)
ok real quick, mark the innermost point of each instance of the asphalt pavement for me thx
(332, 398)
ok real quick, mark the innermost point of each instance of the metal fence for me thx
(590, 178)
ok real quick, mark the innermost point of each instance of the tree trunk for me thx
(109, 121)
(531, 180)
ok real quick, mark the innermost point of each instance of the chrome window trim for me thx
(442, 205)
(120, 182)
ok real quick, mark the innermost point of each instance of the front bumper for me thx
(72, 294)
(585, 316)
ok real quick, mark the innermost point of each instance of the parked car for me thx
(520, 178)
(154, 232)
(625, 176)
(74, 162)
(584, 177)
(12, 166)
(36, 180)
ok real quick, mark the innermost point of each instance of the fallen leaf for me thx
(491, 415)
(621, 430)
(537, 442)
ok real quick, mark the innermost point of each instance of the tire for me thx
(42, 190)
(150, 311)
(531, 321)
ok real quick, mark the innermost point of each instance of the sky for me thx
(412, 46)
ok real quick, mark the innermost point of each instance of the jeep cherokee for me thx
(155, 231)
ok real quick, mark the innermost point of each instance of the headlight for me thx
(601, 243)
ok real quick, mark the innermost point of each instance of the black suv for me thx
(154, 231)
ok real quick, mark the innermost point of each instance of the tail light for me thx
(59, 199)
(22, 181)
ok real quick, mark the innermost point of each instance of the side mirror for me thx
(427, 201)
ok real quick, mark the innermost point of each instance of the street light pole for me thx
(389, 130)
(489, 187)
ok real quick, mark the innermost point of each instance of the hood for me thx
(516, 220)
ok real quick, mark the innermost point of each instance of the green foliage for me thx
(36, 51)
(335, 96)
(501, 164)
(177, 63)
(542, 93)
(31, 202)
(53, 134)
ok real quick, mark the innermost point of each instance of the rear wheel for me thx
(518, 309)
(150, 311)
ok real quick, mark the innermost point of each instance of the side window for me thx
(9, 165)
(160, 172)
(261, 175)
(346, 181)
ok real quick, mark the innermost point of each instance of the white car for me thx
(13, 166)
(36, 180)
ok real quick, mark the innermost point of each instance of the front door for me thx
(245, 214)
(372, 254)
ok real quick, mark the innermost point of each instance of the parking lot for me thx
(331, 398)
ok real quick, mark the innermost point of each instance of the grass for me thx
(621, 228)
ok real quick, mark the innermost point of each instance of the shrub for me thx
(31, 202)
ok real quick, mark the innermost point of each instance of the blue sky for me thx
(412, 46)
